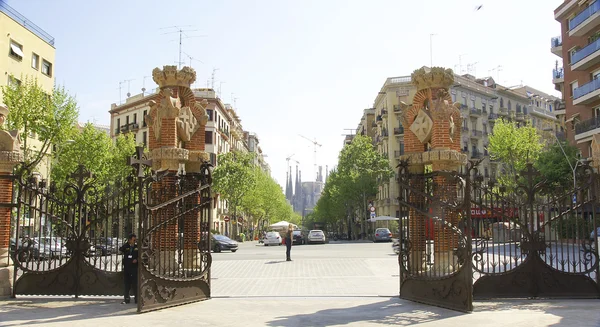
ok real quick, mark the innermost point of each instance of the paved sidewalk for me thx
(295, 311)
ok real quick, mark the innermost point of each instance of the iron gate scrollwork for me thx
(434, 257)
(533, 239)
(65, 240)
(175, 239)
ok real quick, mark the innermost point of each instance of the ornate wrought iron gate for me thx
(434, 258)
(175, 240)
(66, 241)
(534, 239)
(525, 240)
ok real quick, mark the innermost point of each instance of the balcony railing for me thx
(379, 119)
(384, 133)
(556, 41)
(476, 133)
(587, 125)
(398, 130)
(585, 14)
(493, 117)
(558, 73)
(465, 129)
(476, 154)
(586, 88)
(384, 112)
(396, 108)
(583, 53)
(22, 20)
(475, 111)
(129, 127)
(398, 153)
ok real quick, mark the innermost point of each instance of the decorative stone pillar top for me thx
(168, 158)
(10, 145)
(196, 158)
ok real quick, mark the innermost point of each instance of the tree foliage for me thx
(514, 146)
(265, 202)
(360, 169)
(94, 149)
(50, 118)
(554, 166)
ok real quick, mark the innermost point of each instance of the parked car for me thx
(273, 238)
(223, 243)
(298, 238)
(316, 236)
(382, 235)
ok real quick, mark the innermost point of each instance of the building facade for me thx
(579, 47)
(224, 133)
(483, 102)
(29, 53)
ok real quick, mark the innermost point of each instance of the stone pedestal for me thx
(8, 160)
(192, 259)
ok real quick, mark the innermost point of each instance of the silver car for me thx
(382, 235)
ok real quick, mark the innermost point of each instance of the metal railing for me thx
(475, 111)
(587, 125)
(558, 73)
(586, 88)
(33, 28)
(398, 130)
(556, 41)
(583, 15)
(476, 133)
(396, 108)
(476, 154)
(493, 116)
(384, 112)
(586, 51)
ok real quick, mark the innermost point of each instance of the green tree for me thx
(360, 170)
(48, 118)
(233, 178)
(94, 149)
(514, 146)
(554, 166)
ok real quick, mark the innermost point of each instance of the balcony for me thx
(396, 108)
(585, 21)
(587, 128)
(475, 112)
(586, 57)
(399, 131)
(379, 120)
(130, 127)
(384, 113)
(586, 93)
(558, 76)
(493, 116)
(476, 133)
(476, 155)
(519, 116)
(556, 45)
(384, 134)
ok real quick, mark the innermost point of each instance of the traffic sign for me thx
(372, 215)
(226, 219)
(372, 209)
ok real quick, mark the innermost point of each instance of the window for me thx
(35, 61)
(118, 122)
(574, 85)
(46, 68)
(13, 82)
(134, 118)
(16, 50)
(501, 102)
(509, 105)
(127, 120)
(210, 114)
(145, 136)
(144, 118)
(208, 137)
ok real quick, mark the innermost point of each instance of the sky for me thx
(294, 67)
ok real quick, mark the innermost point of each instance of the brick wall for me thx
(6, 187)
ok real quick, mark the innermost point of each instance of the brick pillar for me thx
(8, 160)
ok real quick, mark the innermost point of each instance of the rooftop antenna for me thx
(472, 68)
(221, 87)
(128, 86)
(431, 49)
(179, 29)
(212, 78)
(144, 85)
(460, 63)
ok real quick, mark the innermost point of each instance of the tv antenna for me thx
(212, 78)
(121, 87)
(221, 87)
(192, 58)
(144, 85)
(182, 35)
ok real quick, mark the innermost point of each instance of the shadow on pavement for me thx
(392, 311)
(40, 311)
(274, 262)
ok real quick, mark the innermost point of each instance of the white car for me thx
(273, 238)
(316, 236)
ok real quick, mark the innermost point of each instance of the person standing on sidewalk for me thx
(130, 267)
(288, 242)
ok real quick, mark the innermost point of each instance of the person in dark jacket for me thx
(288, 242)
(130, 267)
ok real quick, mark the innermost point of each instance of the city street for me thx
(336, 284)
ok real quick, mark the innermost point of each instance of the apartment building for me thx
(579, 47)
(29, 52)
(483, 102)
